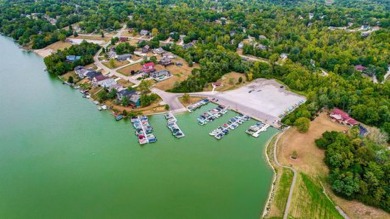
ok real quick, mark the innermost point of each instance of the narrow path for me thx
(286, 210)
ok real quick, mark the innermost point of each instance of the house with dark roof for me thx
(72, 58)
(123, 57)
(342, 117)
(92, 74)
(158, 51)
(188, 45)
(148, 67)
(131, 95)
(160, 75)
(146, 49)
(165, 61)
(97, 79)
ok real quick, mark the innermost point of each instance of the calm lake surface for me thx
(62, 158)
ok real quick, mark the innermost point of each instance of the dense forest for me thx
(359, 168)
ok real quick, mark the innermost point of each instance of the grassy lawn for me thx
(117, 64)
(127, 70)
(309, 200)
(283, 189)
(192, 100)
(229, 81)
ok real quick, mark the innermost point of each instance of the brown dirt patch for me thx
(124, 83)
(59, 45)
(179, 74)
(228, 82)
(310, 158)
(310, 161)
(127, 70)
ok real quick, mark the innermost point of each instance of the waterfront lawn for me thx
(67, 75)
(309, 200)
(192, 100)
(282, 190)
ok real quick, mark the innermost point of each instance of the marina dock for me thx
(143, 130)
(197, 105)
(232, 124)
(212, 115)
(172, 125)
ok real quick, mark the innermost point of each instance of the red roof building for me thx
(148, 67)
(342, 117)
(360, 68)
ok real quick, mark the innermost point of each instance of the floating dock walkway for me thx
(143, 130)
(172, 125)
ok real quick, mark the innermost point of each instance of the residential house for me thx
(360, 68)
(241, 45)
(80, 71)
(135, 100)
(107, 83)
(169, 55)
(342, 117)
(188, 45)
(97, 79)
(261, 47)
(72, 58)
(158, 51)
(131, 95)
(123, 39)
(148, 67)
(165, 61)
(144, 32)
(160, 75)
(92, 74)
(146, 49)
(123, 57)
(283, 56)
(125, 93)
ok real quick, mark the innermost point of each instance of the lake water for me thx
(62, 158)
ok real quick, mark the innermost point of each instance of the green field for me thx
(309, 200)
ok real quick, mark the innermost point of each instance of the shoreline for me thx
(274, 178)
(46, 52)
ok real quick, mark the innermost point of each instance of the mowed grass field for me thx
(309, 201)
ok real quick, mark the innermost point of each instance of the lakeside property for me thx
(78, 158)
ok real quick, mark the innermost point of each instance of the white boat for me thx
(263, 129)
(104, 107)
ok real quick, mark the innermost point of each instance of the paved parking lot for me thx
(262, 99)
